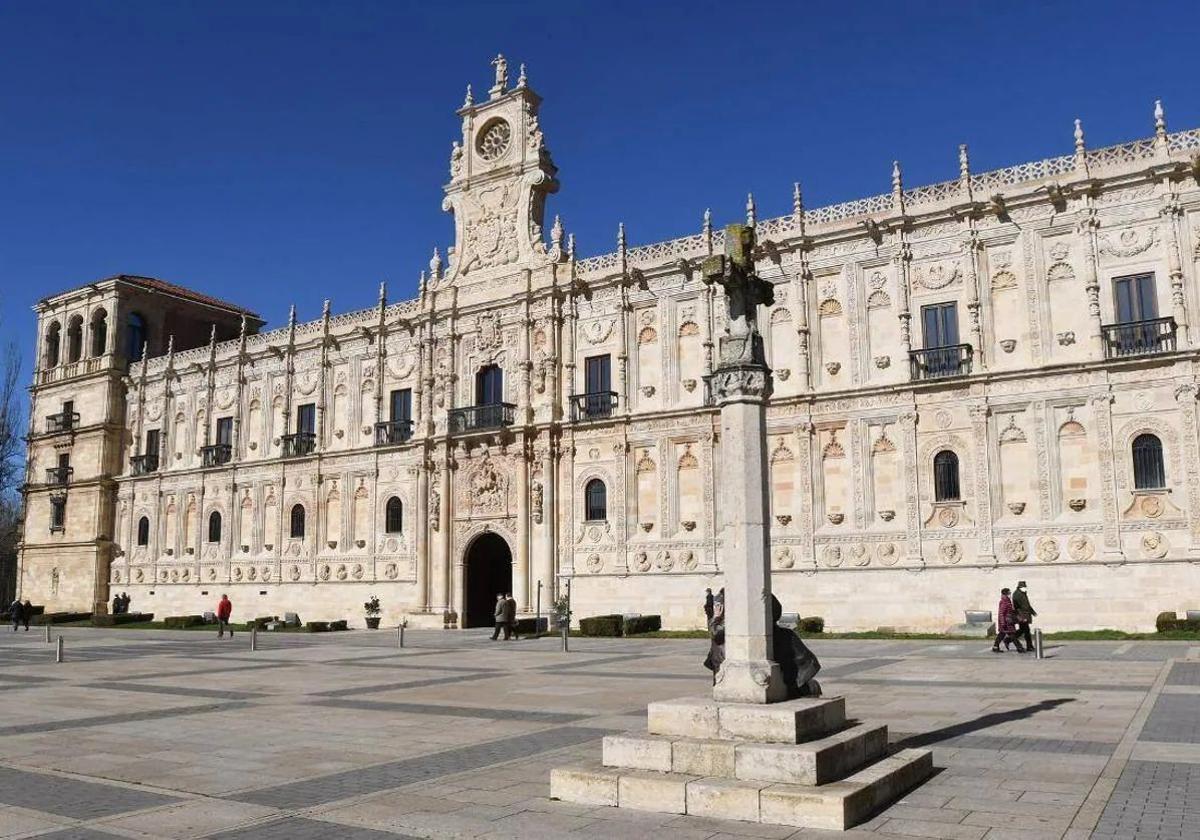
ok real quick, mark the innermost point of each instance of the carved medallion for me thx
(887, 554)
(950, 552)
(1015, 550)
(1154, 546)
(1047, 549)
(1080, 548)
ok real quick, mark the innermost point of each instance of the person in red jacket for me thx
(1006, 624)
(224, 610)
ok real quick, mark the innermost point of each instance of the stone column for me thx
(1112, 550)
(749, 673)
(545, 564)
(520, 573)
(1185, 395)
(422, 529)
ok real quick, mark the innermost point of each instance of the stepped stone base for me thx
(792, 763)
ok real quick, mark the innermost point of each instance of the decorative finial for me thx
(242, 329)
(707, 227)
(897, 181)
(620, 236)
(571, 247)
(521, 76)
(171, 343)
(292, 316)
(797, 200)
(212, 335)
(325, 307)
(501, 75)
(1160, 119)
(1079, 137)
(382, 292)
(964, 162)
(435, 265)
(470, 99)
(421, 284)
(556, 233)
(750, 219)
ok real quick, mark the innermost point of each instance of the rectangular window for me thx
(224, 431)
(1135, 298)
(306, 419)
(489, 386)
(152, 442)
(940, 324)
(401, 408)
(64, 461)
(58, 514)
(597, 377)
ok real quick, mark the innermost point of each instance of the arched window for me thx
(595, 501)
(945, 476)
(53, 336)
(214, 526)
(394, 516)
(1148, 472)
(99, 333)
(143, 536)
(297, 523)
(75, 338)
(135, 337)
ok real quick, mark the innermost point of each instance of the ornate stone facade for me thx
(563, 405)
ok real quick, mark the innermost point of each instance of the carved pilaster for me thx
(903, 260)
(980, 430)
(804, 431)
(1185, 395)
(971, 247)
(1172, 212)
(803, 278)
(1042, 454)
(912, 499)
(1087, 229)
(1102, 419)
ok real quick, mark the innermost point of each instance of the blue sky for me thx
(279, 152)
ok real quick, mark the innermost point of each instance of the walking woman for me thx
(1006, 623)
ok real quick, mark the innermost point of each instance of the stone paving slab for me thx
(67, 797)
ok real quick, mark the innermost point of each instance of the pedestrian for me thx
(1006, 628)
(716, 633)
(708, 606)
(224, 610)
(26, 614)
(14, 612)
(1025, 613)
(116, 604)
(498, 616)
(510, 616)
(124, 603)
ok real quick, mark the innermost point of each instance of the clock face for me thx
(494, 140)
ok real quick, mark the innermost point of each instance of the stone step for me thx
(837, 805)
(787, 722)
(810, 763)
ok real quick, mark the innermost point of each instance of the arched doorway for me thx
(487, 572)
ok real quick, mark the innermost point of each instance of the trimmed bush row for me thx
(123, 618)
(179, 622)
(811, 624)
(1168, 621)
(641, 624)
(59, 617)
(616, 625)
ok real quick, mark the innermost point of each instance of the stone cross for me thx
(741, 385)
(744, 291)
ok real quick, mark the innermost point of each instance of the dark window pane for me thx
(297, 523)
(597, 374)
(306, 419)
(1148, 472)
(489, 385)
(401, 408)
(214, 527)
(945, 476)
(595, 501)
(143, 531)
(394, 518)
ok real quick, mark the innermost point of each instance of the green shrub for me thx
(529, 626)
(59, 617)
(811, 624)
(601, 625)
(339, 625)
(641, 624)
(180, 622)
(123, 618)
(1166, 622)
(317, 626)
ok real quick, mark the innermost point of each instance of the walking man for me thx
(708, 606)
(224, 610)
(1006, 628)
(14, 612)
(498, 616)
(26, 614)
(510, 616)
(1025, 613)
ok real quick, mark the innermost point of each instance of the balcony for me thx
(393, 432)
(299, 444)
(479, 418)
(143, 464)
(940, 362)
(59, 476)
(1138, 338)
(216, 454)
(63, 422)
(598, 406)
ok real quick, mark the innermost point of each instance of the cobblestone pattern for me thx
(1002, 743)
(1175, 719)
(1153, 800)
(70, 797)
(1184, 673)
(297, 828)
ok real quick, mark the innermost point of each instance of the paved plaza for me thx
(177, 735)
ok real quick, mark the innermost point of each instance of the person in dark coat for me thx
(15, 611)
(498, 616)
(708, 606)
(26, 614)
(116, 604)
(1006, 626)
(1025, 613)
(716, 634)
(798, 664)
(510, 616)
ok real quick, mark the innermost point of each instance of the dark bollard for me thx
(1037, 643)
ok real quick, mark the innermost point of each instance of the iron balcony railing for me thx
(62, 422)
(595, 406)
(299, 444)
(940, 362)
(143, 464)
(216, 454)
(59, 476)
(392, 432)
(478, 418)
(1139, 338)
